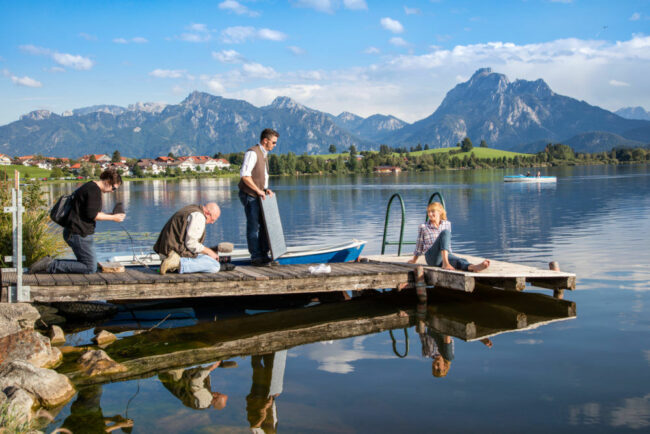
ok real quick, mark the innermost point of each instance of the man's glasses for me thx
(114, 187)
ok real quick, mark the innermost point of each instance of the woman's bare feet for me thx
(448, 267)
(479, 267)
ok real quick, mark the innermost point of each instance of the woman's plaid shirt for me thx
(427, 235)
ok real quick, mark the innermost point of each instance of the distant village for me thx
(89, 165)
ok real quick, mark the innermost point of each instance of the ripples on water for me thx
(577, 375)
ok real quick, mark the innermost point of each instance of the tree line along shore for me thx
(386, 160)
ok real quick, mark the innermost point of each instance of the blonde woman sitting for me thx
(434, 241)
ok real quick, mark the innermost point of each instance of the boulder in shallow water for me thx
(104, 338)
(49, 387)
(30, 346)
(97, 362)
(56, 335)
(16, 316)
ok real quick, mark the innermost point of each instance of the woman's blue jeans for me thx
(433, 256)
(83, 250)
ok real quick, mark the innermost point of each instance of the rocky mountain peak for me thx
(284, 102)
(149, 107)
(38, 115)
(348, 117)
(199, 98)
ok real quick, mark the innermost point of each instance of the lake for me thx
(589, 373)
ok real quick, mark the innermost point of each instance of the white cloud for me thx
(197, 33)
(139, 40)
(296, 50)
(73, 61)
(237, 34)
(21, 81)
(398, 42)
(635, 16)
(355, 4)
(70, 60)
(618, 83)
(237, 8)
(240, 34)
(56, 69)
(213, 83)
(371, 50)
(87, 37)
(326, 6)
(120, 41)
(391, 25)
(258, 70)
(168, 73)
(412, 11)
(271, 35)
(228, 56)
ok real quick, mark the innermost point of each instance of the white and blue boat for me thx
(532, 179)
(343, 252)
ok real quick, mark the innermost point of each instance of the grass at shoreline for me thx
(478, 153)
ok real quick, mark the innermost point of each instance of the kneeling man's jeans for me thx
(200, 264)
(83, 250)
(433, 256)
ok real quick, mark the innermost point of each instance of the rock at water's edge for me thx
(16, 316)
(104, 338)
(56, 335)
(30, 346)
(49, 387)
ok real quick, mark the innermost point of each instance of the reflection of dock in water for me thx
(468, 317)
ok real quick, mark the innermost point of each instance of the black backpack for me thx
(61, 209)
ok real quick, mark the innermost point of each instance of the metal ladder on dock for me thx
(401, 241)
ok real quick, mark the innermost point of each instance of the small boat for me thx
(524, 178)
(344, 252)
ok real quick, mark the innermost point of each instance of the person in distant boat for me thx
(180, 242)
(80, 226)
(253, 187)
(434, 242)
(528, 174)
(539, 174)
(192, 387)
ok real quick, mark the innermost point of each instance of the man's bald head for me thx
(212, 212)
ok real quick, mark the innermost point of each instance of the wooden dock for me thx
(377, 272)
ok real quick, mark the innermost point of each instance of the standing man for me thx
(180, 242)
(253, 187)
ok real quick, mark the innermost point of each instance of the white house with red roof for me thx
(4, 160)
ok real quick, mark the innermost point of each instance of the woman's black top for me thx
(86, 205)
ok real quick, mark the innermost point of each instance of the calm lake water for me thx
(590, 373)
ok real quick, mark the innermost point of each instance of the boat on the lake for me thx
(344, 252)
(525, 178)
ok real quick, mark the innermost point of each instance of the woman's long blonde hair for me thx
(438, 206)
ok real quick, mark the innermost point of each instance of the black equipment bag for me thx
(61, 209)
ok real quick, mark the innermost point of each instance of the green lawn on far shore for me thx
(26, 172)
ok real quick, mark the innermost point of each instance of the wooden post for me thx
(420, 284)
(557, 293)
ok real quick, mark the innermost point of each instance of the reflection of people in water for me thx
(440, 348)
(268, 376)
(86, 414)
(192, 387)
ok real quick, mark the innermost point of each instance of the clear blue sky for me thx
(362, 56)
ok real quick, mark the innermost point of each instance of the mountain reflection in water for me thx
(185, 358)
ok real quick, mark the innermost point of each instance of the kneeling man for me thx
(180, 243)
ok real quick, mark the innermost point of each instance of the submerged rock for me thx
(104, 338)
(30, 346)
(97, 362)
(56, 335)
(15, 317)
(49, 387)
(49, 315)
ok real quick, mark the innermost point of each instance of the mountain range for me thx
(518, 116)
